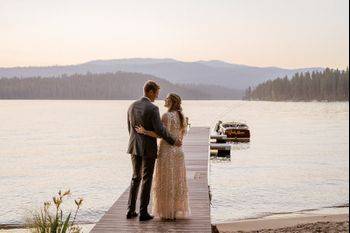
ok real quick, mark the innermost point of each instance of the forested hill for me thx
(328, 85)
(119, 85)
(198, 72)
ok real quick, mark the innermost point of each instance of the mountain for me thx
(199, 72)
(119, 85)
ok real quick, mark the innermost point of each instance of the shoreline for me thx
(336, 209)
(85, 227)
(333, 214)
(281, 224)
(337, 217)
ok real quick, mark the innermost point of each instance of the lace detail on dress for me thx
(170, 191)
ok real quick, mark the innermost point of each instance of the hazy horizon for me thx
(160, 58)
(286, 34)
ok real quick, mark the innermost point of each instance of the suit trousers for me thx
(143, 168)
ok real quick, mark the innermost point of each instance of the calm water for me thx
(298, 157)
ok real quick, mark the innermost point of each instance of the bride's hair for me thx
(176, 106)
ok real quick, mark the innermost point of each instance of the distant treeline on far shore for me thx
(328, 85)
(106, 86)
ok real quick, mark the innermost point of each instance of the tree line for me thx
(326, 85)
(118, 85)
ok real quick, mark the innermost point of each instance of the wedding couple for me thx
(169, 190)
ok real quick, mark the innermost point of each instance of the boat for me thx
(232, 131)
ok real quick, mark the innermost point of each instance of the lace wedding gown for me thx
(170, 191)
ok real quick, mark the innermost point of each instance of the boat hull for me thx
(237, 133)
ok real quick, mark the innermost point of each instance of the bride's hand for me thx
(139, 129)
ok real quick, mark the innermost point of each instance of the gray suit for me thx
(144, 112)
(143, 149)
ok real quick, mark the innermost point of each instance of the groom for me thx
(143, 149)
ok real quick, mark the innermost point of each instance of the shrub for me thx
(46, 221)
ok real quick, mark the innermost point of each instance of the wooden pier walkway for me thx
(196, 148)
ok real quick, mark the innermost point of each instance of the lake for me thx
(298, 157)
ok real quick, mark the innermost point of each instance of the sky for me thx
(282, 33)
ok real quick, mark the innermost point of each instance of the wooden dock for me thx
(196, 148)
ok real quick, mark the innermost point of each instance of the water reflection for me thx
(235, 146)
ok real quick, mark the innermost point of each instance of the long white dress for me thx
(170, 190)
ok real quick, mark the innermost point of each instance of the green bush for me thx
(46, 221)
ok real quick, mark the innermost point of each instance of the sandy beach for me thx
(331, 220)
(322, 220)
(85, 228)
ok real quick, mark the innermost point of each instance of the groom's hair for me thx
(150, 85)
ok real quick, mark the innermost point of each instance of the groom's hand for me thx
(178, 143)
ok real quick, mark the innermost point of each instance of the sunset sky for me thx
(284, 33)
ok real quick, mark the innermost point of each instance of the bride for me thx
(170, 191)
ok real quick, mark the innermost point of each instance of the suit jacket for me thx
(144, 112)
